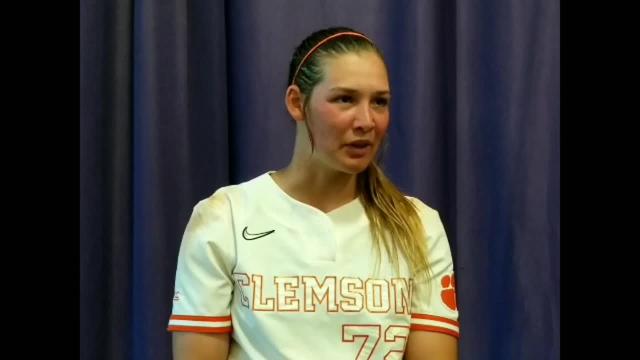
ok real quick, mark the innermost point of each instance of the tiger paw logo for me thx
(448, 293)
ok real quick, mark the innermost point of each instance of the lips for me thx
(360, 143)
(359, 148)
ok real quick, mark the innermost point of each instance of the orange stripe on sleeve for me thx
(435, 318)
(199, 329)
(201, 318)
(435, 329)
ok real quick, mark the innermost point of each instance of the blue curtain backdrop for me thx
(181, 97)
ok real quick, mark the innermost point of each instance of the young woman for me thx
(326, 258)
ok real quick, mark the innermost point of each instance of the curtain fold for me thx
(180, 97)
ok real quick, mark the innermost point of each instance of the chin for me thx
(355, 167)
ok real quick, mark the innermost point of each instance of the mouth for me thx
(360, 144)
(359, 148)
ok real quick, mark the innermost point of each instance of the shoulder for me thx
(431, 221)
(217, 203)
(425, 211)
(228, 198)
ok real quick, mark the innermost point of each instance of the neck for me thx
(325, 190)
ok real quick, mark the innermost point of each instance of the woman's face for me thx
(348, 113)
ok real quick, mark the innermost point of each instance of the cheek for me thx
(330, 121)
(382, 124)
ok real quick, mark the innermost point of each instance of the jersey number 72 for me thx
(393, 344)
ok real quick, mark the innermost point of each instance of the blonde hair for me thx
(394, 221)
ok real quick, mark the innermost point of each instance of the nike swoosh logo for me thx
(248, 236)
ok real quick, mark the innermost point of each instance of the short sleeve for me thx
(433, 302)
(203, 285)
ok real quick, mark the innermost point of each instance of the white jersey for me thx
(289, 281)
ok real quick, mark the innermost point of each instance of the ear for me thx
(294, 100)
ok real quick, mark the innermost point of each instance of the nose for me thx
(364, 120)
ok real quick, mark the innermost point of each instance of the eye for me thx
(344, 99)
(381, 102)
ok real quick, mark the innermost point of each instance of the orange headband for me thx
(324, 41)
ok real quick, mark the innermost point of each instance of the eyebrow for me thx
(349, 90)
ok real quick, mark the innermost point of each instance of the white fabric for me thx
(307, 290)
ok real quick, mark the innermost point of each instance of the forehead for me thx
(356, 70)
